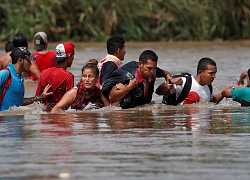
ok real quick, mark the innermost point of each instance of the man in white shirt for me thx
(199, 90)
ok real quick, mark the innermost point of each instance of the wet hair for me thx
(91, 66)
(92, 61)
(8, 46)
(204, 62)
(148, 55)
(114, 43)
(20, 40)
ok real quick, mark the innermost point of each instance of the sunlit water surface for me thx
(201, 141)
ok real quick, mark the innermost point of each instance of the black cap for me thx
(40, 40)
(21, 52)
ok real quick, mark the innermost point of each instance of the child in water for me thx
(85, 95)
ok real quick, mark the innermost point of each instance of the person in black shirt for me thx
(133, 84)
(113, 60)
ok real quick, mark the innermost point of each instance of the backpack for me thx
(170, 99)
(7, 84)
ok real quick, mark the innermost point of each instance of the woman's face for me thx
(89, 78)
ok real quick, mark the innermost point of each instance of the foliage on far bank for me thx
(140, 20)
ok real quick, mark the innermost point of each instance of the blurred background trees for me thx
(140, 20)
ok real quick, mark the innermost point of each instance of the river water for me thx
(201, 141)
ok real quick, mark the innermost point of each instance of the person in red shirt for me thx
(58, 77)
(85, 95)
(44, 57)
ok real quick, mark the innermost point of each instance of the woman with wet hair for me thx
(85, 95)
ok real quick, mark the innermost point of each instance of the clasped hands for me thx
(176, 81)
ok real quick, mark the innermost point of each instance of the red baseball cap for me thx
(64, 50)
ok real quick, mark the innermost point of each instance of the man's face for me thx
(25, 65)
(147, 69)
(208, 75)
(121, 53)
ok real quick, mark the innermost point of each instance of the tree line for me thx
(140, 20)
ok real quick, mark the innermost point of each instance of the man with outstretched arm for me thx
(239, 94)
(14, 94)
(133, 84)
(200, 89)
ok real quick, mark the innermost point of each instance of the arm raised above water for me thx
(240, 81)
(45, 94)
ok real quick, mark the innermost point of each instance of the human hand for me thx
(45, 92)
(119, 86)
(90, 106)
(168, 86)
(240, 82)
(133, 83)
(177, 81)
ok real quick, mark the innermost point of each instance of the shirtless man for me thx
(19, 40)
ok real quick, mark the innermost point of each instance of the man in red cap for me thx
(58, 77)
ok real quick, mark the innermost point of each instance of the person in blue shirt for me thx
(14, 96)
(239, 94)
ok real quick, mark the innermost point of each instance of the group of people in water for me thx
(103, 83)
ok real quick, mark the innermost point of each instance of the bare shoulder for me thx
(4, 60)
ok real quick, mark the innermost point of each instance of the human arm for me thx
(167, 75)
(166, 86)
(105, 101)
(240, 81)
(67, 99)
(217, 97)
(163, 73)
(3, 77)
(45, 94)
(34, 69)
(120, 90)
(225, 93)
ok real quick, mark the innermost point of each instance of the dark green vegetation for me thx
(135, 20)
